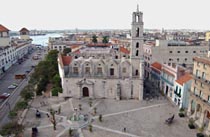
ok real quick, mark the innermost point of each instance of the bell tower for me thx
(136, 54)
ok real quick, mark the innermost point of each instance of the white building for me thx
(120, 78)
(172, 52)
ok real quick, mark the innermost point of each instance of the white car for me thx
(12, 87)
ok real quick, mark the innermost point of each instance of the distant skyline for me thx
(108, 14)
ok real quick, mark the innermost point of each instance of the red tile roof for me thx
(74, 46)
(124, 50)
(3, 29)
(99, 45)
(156, 65)
(66, 60)
(24, 29)
(184, 79)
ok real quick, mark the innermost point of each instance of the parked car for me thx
(4, 95)
(12, 86)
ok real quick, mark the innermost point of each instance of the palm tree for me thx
(94, 39)
(105, 39)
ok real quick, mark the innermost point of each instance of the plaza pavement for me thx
(140, 118)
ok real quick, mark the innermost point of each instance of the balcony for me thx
(204, 81)
(178, 94)
(167, 81)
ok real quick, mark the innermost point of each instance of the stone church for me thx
(101, 77)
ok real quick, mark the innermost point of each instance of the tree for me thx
(94, 39)
(11, 128)
(90, 128)
(95, 110)
(52, 119)
(80, 106)
(105, 39)
(100, 118)
(66, 51)
(70, 132)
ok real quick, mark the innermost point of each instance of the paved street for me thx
(8, 78)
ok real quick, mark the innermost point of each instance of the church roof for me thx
(3, 29)
(66, 60)
(124, 50)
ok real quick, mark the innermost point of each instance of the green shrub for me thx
(12, 114)
(11, 128)
(21, 105)
(181, 115)
(200, 135)
(181, 110)
(191, 126)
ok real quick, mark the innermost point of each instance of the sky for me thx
(103, 14)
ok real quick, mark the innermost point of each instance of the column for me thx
(80, 90)
(189, 108)
(195, 113)
(201, 120)
(208, 129)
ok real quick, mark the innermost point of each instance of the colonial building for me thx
(199, 101)
(106, 77)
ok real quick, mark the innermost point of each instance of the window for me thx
(198, 63)
(137, 72)
(186, 51)
(178, 51)
(124, 70)
(197, 73)
(202, 85)
(201, 94)
(137, 53)
(208, 99)
(194, 51)
(111, 71)
(185, 59)
(170, 52)
(87, 70)
(75, 70)
(195, 81)
(204, 66)
(137, 45)
(203, 75)
(177, 59)
(99, 70)
(170, 59)
(137, 32)
(116, 57)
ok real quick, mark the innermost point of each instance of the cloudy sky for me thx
(104, 14)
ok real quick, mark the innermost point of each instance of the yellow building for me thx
(199, 101)
(207, 36)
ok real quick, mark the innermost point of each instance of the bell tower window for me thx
(137, 32)
(137, 53)
(137, 45)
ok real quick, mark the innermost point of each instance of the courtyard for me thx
(125, 118)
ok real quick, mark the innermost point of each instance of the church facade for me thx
(117, 78)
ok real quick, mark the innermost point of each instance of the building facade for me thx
(199, 101)
(120, 78)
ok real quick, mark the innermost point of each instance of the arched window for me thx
(137, 72)
(137, 32)
(137, 45)
(137, 53)
(137, 18)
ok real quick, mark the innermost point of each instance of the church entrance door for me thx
(85, 92)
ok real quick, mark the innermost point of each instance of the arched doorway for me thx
(85, 92)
